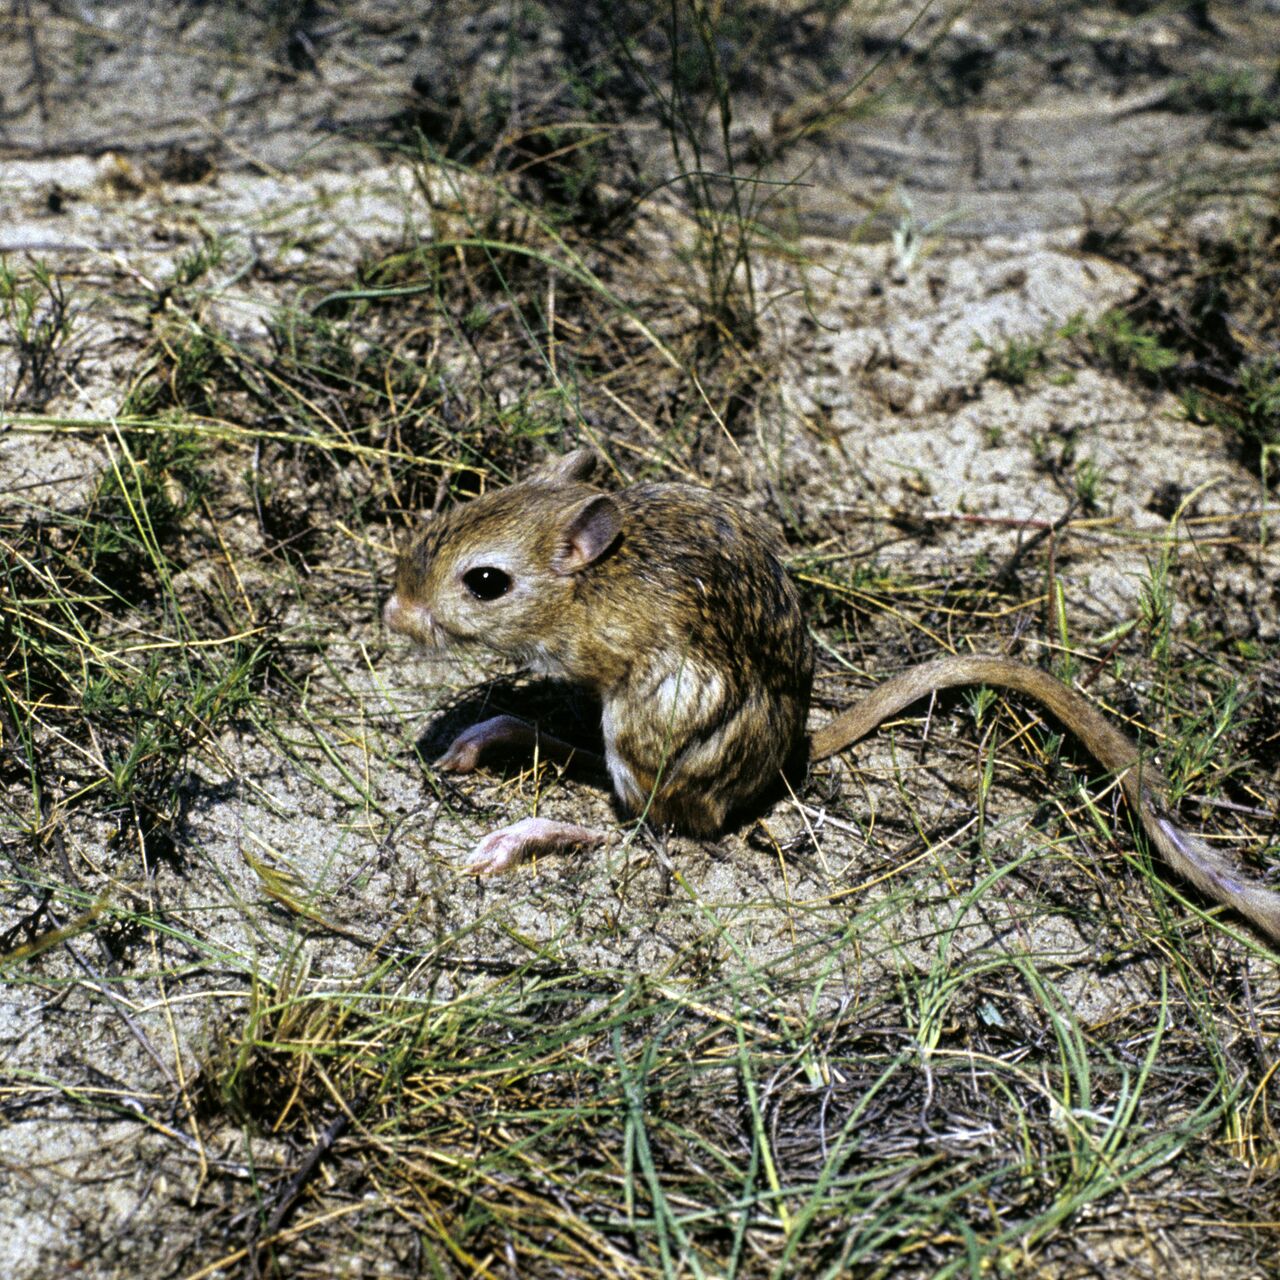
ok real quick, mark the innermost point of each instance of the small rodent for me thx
(670, 603)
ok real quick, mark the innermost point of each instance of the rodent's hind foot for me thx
(504, 850)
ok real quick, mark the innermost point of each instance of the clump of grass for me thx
(1018, 360)
(584, 1123)
(1260, 397)
(199, 261)
(188, 372)
(691, 62)
(76, 584)
(1116, 338)
(1250, 408)
(559, 148)
(1205, 324)
(252, 1067)
(38, 320)
(1129, 346)
(153, 714)
(1088, 483)
(1155, 608)
(139, 504)
(1234, 97)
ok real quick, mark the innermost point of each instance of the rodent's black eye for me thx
(486, 583)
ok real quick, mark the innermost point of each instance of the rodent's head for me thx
(500, 570)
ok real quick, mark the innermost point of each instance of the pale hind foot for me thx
(504, 850)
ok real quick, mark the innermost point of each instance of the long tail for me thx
(1144, 786)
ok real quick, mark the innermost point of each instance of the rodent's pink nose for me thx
(409, 619)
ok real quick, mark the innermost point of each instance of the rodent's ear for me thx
(591, 527)
(580, 464)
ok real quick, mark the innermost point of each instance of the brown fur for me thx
(686, 626)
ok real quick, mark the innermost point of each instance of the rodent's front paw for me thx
(465, 750)
(504, 850)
